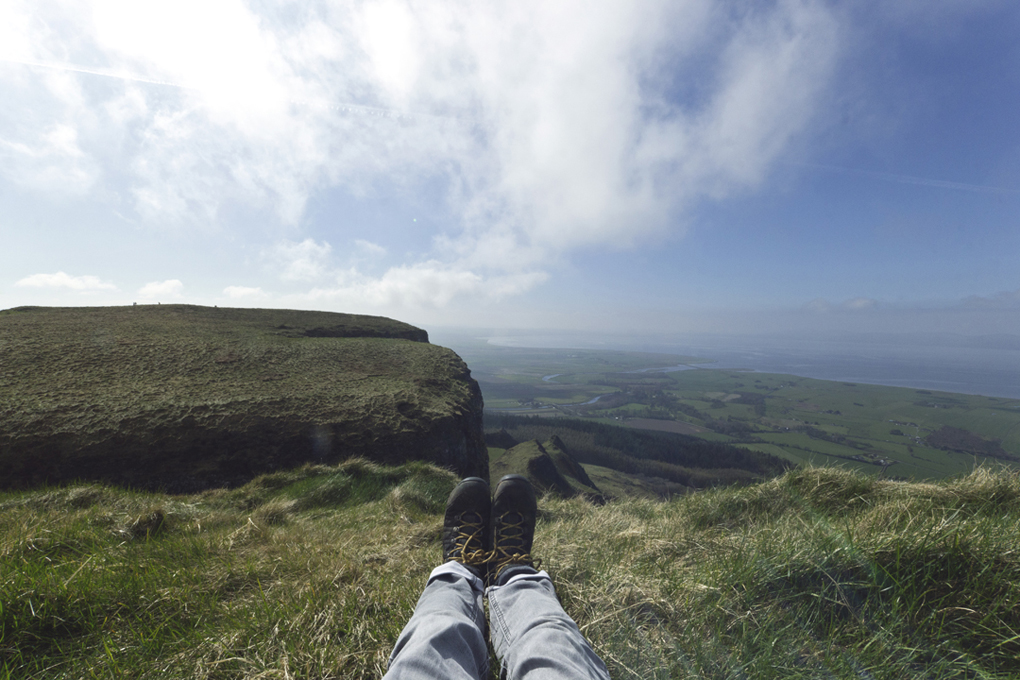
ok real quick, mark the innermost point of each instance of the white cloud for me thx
(170, 288)
(240, 292)
(369, 249)
(50, 160)
(63, 280)
(858, 304)
(300, 261)
(430, 284)
(550, 126)
(15, 29)
(427, 284)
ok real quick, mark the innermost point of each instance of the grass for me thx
(819, 573)
(159, 395)
(276, 577)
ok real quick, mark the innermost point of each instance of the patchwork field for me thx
(893, 431)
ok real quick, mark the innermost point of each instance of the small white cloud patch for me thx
(64, 280)
(369, 249)
(857, 304)
(170, 288)
(239, 292)
(304, 261)
(427, 284)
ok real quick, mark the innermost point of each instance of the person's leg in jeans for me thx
(532, 636)
(445, 637)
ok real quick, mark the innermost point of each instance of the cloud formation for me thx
(243, 292)
(858, 304)
(550, 126)
(424, 285)
(64, 280)
(170, 288)
(304, 261)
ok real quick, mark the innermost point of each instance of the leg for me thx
(532, 635)
(444, 637)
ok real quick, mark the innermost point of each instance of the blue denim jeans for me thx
(533, 637)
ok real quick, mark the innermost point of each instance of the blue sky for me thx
(662, 166)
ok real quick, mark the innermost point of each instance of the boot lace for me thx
(470, 541)
(508, 544)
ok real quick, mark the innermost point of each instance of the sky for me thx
(647, 166)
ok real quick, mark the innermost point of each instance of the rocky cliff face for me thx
(179, 397)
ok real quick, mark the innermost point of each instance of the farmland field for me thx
(897, 432)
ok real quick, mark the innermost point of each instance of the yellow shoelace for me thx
(510, 531)
(475, 535)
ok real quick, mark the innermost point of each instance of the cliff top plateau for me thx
(181, 397)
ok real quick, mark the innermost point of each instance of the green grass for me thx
(819, 573)
(163, 395)
(279, 574)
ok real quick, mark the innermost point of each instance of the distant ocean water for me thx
(953, 365)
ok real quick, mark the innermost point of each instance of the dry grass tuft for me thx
(275, 512)
(148, 525)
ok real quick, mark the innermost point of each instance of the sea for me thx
(982, 365)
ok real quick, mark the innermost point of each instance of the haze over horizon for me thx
(659, 167)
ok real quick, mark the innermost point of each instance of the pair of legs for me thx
(487, 548)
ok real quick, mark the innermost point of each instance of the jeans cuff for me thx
(456, 569)
(527, 576)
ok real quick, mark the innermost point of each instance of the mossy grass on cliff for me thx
(180, 397)
(311, 573)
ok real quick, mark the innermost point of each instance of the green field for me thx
(891, 431)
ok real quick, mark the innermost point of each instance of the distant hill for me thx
(666, 462)
(549, 467)
(181, 397)
(500, 439)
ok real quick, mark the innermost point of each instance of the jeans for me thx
(533, 637)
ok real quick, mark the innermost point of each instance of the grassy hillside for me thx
(311, 573)
(181, 397)
(549, 468)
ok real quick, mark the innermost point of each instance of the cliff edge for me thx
(181, 397)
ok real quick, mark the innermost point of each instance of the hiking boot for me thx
(466, 525)
(513, 528)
